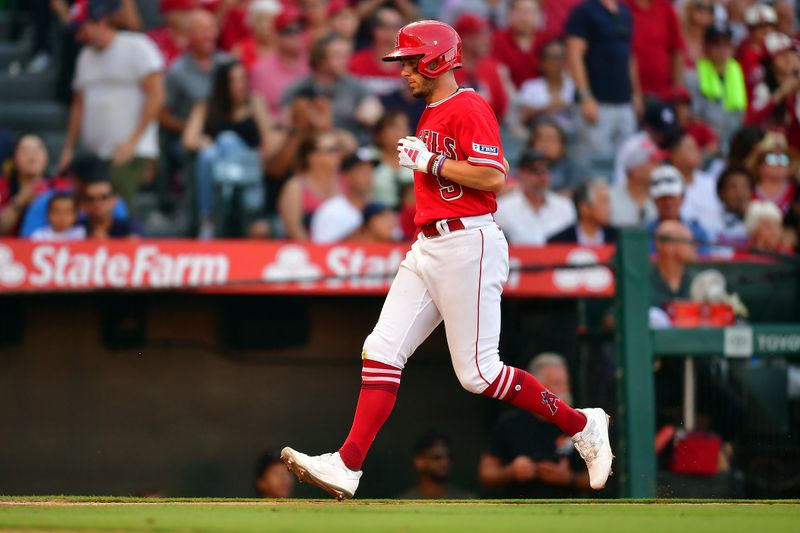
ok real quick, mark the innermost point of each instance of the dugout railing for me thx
(638, 346)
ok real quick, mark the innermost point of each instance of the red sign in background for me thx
(272, 267)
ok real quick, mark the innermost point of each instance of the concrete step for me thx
(10, 52)
(27, 87)
(33, 116)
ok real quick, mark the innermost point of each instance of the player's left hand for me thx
(124, 153)
(413, 154)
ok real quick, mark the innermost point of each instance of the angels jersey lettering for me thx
(461, 127)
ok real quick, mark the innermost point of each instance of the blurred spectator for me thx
(735, 190)
(275, 71)
(495, 12)
(232, 17)
(408, 209)
(719, 94)
(750, 54)
(329, 86)
(529, 458)
(681, 102)
(99, 202)
(565, 171)
(377, 76)
(82, 169)
(532, 213)
(660, 122)
(403, 101)
(697, 16)
(231, 123)
(316, 180)
(552, 96)
(667, 191)
(42, 49)
(675, 248)
(119, 91)
(62, 218)
(344, 19)
(658, 46)
(772, 163)
(593, 205)
(516, 46)
(775, 103)
(787, 16)
(763, 221)
(367, 8)
(172, 38)
(555, 14)
(743, 143)
(24, 182)
(260, 20)
(389, 176)
(380, 224)
(315, 15)
(433, 462)
(599, 57)
(273, 479)
(189, 78)
(631, 204)
(341, 216)
(700, 197)
(486, 75)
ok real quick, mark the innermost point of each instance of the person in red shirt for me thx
(481, 72)
(658, 45)
(378, 77)
(453, 273)
(171, 38)
(260, 23)
(706, 138)
(517, 46)
(555, 14)
(761, 20)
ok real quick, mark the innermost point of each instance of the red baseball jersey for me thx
(461, 127)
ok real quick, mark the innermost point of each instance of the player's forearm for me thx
(476, 177)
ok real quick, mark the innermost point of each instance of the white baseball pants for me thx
(457, 277)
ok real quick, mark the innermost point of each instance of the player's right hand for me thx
(412, 153)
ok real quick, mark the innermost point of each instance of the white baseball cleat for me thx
(326, 471)
(595, 448)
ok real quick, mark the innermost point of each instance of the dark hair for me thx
(548, 44)
(742, 143)
(733, 170)
(673, 138)
(772, 83)
(220, 104)
(319, 50)
(428, 441)
(307, 146)
(386, 119)
(546, 123)
(265, 461)
(13, 173)
(61, 196)
(582, 193)
(89, 168)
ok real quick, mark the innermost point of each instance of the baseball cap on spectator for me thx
(678, 95)
(168, 6)
(660, 117)
(665, 180)
(644, 150)
(719, 31)
(531, 156)
(776, 43)
(289, 21)
(361, 155)
(209, 5)
(88, 169)
(470, 24)
(759, 14)
(85, 10)
(374, 209)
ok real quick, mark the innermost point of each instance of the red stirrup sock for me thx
(379, 385)
(522, 390)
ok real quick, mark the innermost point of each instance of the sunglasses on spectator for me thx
(776, 160)
(98, 197)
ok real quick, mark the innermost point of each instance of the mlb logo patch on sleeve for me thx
(485, 149)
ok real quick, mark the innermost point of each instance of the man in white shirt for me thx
(531, 213)
(119, 91)
(341, 216)
(631, 204)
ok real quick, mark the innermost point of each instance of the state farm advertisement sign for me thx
(272, 267)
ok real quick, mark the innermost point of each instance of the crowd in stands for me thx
(278, 119)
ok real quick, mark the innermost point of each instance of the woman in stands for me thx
(25, 181)
(316, 180)
(231, 122)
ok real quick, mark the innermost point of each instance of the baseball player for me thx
(454, 271)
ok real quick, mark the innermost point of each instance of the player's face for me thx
(419, 85)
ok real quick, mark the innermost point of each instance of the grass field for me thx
(243, 516)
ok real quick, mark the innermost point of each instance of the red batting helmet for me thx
(437, 43)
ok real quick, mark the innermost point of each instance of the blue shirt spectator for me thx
(36, 215)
